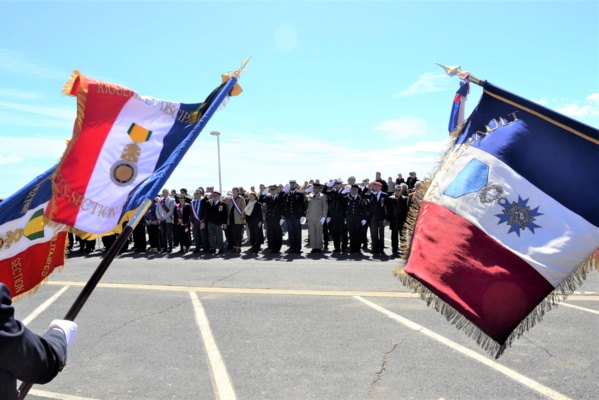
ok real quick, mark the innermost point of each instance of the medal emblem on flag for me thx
(124, 171)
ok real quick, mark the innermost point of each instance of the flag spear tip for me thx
(449, 70)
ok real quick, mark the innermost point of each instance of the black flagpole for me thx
(97, 275)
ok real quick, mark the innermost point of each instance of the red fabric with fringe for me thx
(488, 284)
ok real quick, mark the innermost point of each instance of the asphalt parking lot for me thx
(293, 327)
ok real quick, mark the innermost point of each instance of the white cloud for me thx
(21, 94)
(246, 161)
(10, 159)
(8, 119)
(403, 127)
(427, 82)
(593, 97)
(16, 149)
(575, 110)
(542, 101)
(56, 112)
(17, 64)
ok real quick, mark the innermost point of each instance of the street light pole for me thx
(220, 183)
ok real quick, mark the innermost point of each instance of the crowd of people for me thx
(339, 216)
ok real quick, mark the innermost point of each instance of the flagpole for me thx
(97, 275)
(453, 71)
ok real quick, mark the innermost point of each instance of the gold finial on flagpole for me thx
(453, 71)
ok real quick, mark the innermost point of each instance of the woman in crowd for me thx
(182, 219)
(253, 216)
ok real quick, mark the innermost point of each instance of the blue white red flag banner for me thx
(456, 119)
(519, 240)
(122, 142)
(29, 248)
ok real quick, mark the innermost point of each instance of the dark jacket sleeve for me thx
(25, 355)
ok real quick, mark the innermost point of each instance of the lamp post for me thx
(220, 183)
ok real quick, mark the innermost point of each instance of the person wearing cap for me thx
(398, 212)
(295, 215)
(378, 216)
(316, 216)
(380, 180)
(27, 356)
(355, 217)
(274, 218)
(215, 219)
(336, 215)
(235, 205)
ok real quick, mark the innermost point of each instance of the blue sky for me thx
(333, 89)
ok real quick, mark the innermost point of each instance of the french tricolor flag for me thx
(456, 119)
(119, 140)
(509, 223)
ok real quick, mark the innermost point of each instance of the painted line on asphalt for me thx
(59, 396)
(43, 306)
(223, 388)
(580, 308)
(201, 289)
(523, 380)
(282, 292)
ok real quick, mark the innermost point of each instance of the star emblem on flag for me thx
(518, 215)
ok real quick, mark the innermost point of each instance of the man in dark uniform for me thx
(27, 356)
(398, 211)
(336, 214)
(295, 216)
(355, 216)
(274, 218)
(215, 220)
(378, 216)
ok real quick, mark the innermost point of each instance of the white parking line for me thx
(59, 396)
(580, 308)
(223, 388)
(43, 306)
(544, 390)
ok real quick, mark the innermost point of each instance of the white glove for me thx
(281, 221)
(69, 328)
(322, 220)
(363, 222)
(328, 219)
(310, 189)
(302, 220)
(346, 190)
(330, 183)
(265, 192)
(286, 188)
(345, 221)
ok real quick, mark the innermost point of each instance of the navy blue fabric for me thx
(11, 208)
(559, 162)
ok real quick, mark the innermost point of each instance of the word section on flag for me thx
(30, 249)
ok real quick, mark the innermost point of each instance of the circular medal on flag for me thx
(123, 173)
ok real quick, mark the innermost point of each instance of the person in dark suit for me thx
(355, 216)
(215, 220)
(398, 211)
(378, 216)
(274, 218)
(411, 181)
(253, 217)
(182, 219)
(295, 215)
(200, 237)
(336, 214)
(27, 356)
